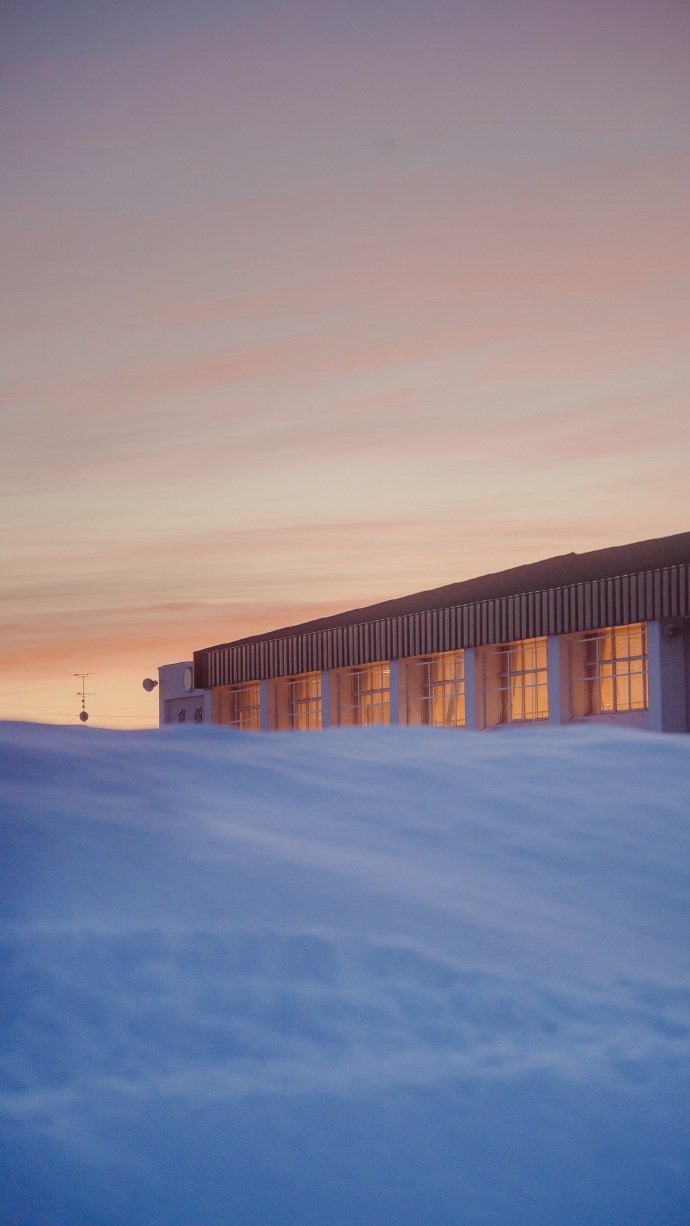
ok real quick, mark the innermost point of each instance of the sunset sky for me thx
(312, 304)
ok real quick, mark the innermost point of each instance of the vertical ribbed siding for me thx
(646, 596)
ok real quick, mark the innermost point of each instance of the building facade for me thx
(601, 637)
(179, 702)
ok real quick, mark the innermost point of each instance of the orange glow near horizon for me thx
(314, 306)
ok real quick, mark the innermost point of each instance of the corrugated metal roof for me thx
(573, 592)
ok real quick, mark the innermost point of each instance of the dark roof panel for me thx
(535, 577)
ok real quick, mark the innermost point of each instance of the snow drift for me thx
(396, 976)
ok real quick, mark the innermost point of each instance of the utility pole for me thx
(82, 693)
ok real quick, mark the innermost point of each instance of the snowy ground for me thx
(379, 978)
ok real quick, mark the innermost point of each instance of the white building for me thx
(178, 701)
(597, 637)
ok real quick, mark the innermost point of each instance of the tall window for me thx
(364, 695)
(516, 682)
(298, 702)
(432, 690)
(610, 671)
(238, 706)
(304, 701)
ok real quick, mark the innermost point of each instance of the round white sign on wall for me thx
(188, 679)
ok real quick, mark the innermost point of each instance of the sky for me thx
(307, 305)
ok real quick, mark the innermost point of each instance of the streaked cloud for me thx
(311, 305)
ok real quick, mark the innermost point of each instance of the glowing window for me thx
(433, 690)
(610, 670)
(238, 706)
(516, 682)
(298, 702)
(364, 695)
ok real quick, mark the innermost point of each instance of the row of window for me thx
(607, 670)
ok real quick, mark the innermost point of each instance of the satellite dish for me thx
(149, 684)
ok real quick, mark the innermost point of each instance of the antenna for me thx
(82, 693)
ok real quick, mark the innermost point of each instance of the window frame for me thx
(230, 713)
(510, 679)
(295, 702)
(598, 672)
(351, 710)
(422, 692)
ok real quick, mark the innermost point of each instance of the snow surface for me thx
(392, 976)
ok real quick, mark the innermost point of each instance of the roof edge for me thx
(557, 571)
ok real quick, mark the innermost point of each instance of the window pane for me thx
(364, 695)
(432, 690)
(615, 670)
(515, 682)
(238, 706)
(302, 708)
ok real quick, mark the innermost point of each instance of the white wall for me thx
(173, 699)
(666, 652)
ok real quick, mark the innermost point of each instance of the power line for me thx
(63, 711)
(99, 713)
